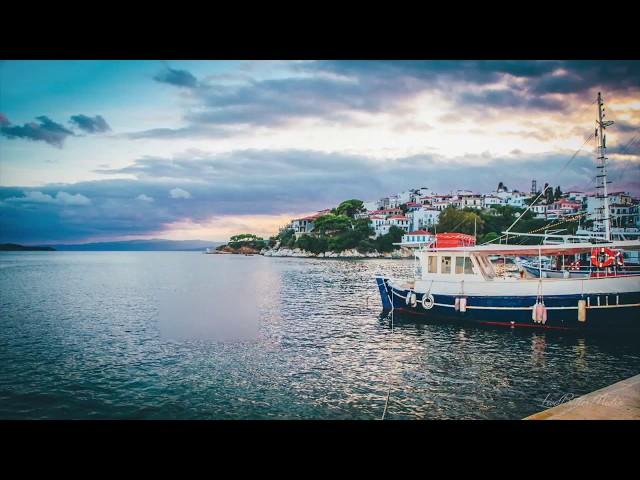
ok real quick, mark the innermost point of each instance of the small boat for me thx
(545, 270)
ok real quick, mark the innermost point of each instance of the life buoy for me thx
(602, 257)
(427, 302)
(619, 259)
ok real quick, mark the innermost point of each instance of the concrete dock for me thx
(620, 401)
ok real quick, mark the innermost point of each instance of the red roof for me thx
(388, 210)
(398, 217)
(413, 204)
(448, 240)
(314, 216)
(419, 232)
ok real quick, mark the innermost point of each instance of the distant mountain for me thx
(155, 244)
(14, 247)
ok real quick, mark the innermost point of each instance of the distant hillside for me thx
(140, 245)
(14, 247)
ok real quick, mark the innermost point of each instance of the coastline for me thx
(345, 254)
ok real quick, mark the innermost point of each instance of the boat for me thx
(461, 283)
(545, 270)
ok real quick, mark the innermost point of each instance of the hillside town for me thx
(417, 211)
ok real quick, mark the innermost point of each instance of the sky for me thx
(118, 150)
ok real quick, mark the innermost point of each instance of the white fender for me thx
(427, 302)
(582, 310)
(463, 304)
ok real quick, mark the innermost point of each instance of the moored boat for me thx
(461, 282)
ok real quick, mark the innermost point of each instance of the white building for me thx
(540, 210)
(399, 221)
(424, 218)
(305, 224)
(489, 200)
(373, 205)
(472, 201)
(576, 196)
(417, 238)
(379, 224)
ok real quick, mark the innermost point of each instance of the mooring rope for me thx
(386, 403)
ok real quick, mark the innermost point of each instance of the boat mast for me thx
(601, 178)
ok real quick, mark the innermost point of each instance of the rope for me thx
(386, 403)
(548, 185)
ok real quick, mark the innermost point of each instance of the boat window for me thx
(433, 264)
(468, 266)
(459, 265)
(445, 265)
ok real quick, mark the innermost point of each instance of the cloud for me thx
(335, 90)
(144, 198)
(179, 193)
(61, 198)
(48, 131)
(192, 131)
(45, 130)
(88, 124)
(247, 183)
(178, 78)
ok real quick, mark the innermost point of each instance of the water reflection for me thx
(538, 345)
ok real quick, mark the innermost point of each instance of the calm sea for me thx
(181, 335)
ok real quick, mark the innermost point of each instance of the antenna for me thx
(601, 178)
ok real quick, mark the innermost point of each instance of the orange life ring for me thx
(602, 257)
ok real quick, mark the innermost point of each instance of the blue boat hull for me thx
(516, 311)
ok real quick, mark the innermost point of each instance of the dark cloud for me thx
(88, 124)
(585, 75)
(266, 182)
(510, 99)
(336, 90)
(179, 78)
(45, 130)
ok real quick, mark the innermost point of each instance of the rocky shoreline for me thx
(353, 253)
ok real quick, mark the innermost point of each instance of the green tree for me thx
(287, 237)
(461, 221)
(489, 237)
(350, 208)
(549, 196)
(312, 243)
(247, 240)
(558, 193)
(385, 243)
(331, 223)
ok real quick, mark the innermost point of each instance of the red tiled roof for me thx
(398, 217)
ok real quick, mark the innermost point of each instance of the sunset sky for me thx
(108, 150)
